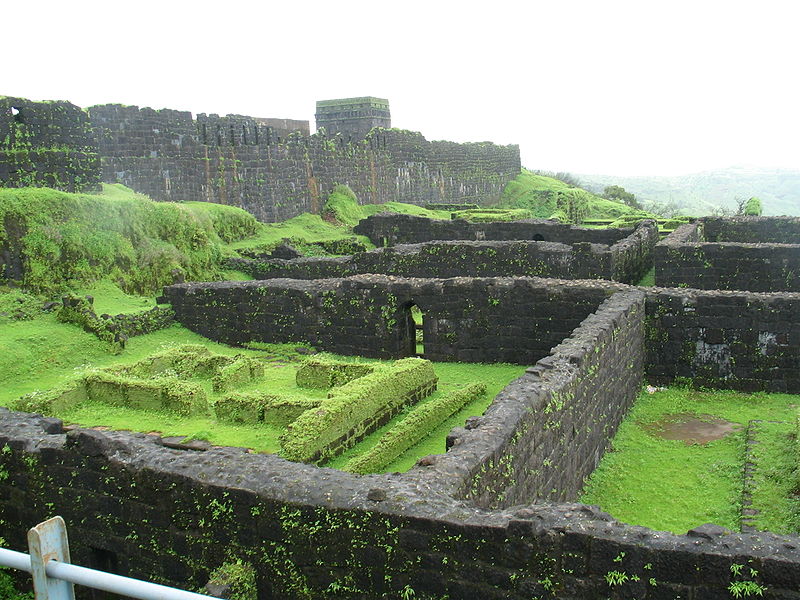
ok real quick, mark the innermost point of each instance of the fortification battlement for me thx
(272, 168)
(353, 116)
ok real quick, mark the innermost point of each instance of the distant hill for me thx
(702, 193)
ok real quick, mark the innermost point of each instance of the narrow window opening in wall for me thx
(16, 113)
(414, 330)
(103, 560)
(205, 133)
(244, 135)
(232, 135)
(255, 134)
(219, 136)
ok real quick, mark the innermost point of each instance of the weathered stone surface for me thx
(724, 339)
(47, 144)
(277, 173)
(626, 260)
(467, 524)
(758, 254)
(464, 319)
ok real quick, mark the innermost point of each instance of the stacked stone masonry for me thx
(759, 254)
(627, 260)
(463, 524)
(270, 167)
(388, 229)
(464, 319)
(735, 340)
(277, 174)
(48, 144)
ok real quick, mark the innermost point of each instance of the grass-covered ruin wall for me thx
(464, 319)
(388, 229)
(146, 510)
(546, 431)
(759, 254)
(48, 144)
(627, 260)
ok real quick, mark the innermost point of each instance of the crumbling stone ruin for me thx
(496, 515)
(760, 254)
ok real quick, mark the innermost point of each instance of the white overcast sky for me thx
(614, 87)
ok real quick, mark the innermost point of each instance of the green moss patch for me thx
(71, 240)
(324, 372)
(773, 483)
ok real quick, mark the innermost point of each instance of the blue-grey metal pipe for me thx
(100, 580)
(15, 560)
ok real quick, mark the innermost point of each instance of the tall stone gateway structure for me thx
(353, 116)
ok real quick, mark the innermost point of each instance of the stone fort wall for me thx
(270, 167)
(465, 524)
(759, 254)
(47, 144)
(279, 172)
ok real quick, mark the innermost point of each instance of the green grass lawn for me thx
(42, 353)
(774, 483)
(669, 485)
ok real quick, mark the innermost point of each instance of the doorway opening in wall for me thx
(415, 345)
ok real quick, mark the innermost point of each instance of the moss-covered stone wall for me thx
(734, 340)
(558, 419)
(137, 507)
(388, 229)
(752, 230)
(276, 173)
(759, 254)
(626, 261)
(464, 319)
(49, 144)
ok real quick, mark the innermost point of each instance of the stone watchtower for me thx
(353, 116)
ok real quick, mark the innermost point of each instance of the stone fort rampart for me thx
(270, 167)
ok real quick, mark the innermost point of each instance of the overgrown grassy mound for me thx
(54, 239)
(415, 426)
(547, 198)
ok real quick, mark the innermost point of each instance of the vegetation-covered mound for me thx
(550, 198)
(51, 239)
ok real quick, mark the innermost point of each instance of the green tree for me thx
(619, 194)
(753, 207)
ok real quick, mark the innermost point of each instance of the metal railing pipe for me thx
(15, 560)
(117, 584)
